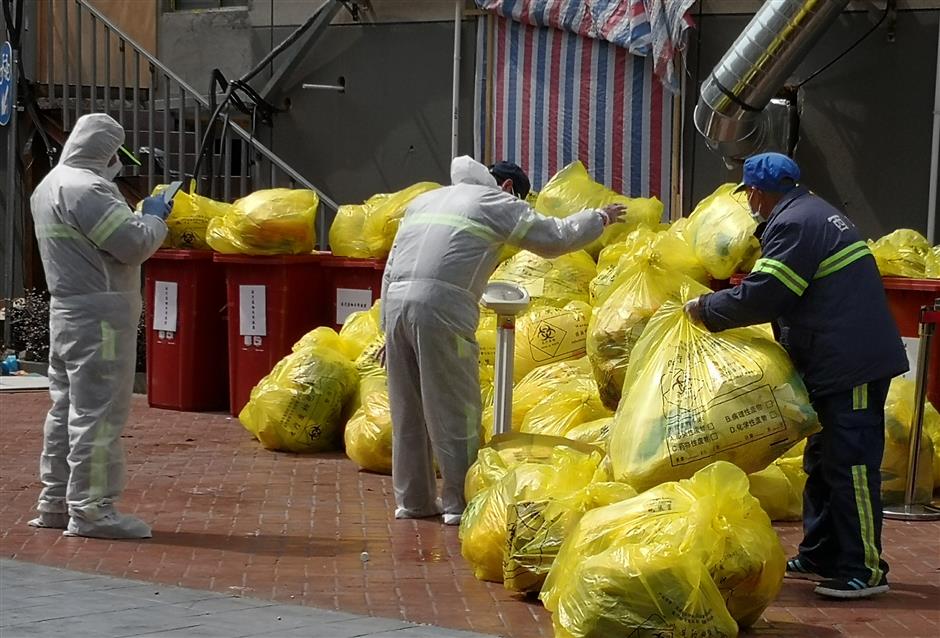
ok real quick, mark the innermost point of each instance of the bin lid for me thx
(907, 283)
(354, 262)
(269, 260)
(182, 254)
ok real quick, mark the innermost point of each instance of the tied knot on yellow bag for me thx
(721, 232)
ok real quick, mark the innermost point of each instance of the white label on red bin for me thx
(164, 306)
(350, 300)
(912, 346)
(252, 311)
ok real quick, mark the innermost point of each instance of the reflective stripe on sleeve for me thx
(848, 255)
(109, 223)
(783, 273)
(454, 221)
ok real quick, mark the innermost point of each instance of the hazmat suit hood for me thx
(93, 143)
(466, 170)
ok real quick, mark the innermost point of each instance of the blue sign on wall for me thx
(6, 83)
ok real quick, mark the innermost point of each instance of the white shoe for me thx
(452, 519)
(50, 520)
(431, 512)
(114, 526)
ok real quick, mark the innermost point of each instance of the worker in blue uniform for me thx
(817, 283)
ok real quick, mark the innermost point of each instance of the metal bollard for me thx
(911, 511)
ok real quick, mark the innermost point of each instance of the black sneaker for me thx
(850, 589)
(798, 570)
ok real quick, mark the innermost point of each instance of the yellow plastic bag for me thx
(298, 406)
(696, 397)
(528, 475)
(189, 220)
(361, 328)
(696, 557)
(550, 282)
(368, 434)
(368, 230)
(537, 530)
(779, 488)
(617, 324)
(534, 388)
(595, 433)
(547, 335)
(667, 249)
(932, 265)
(899, 416)
(572, 190)
(902, 253)
(721, 231)
(278, 221)
(572, 404)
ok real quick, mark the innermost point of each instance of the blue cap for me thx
(773, 172)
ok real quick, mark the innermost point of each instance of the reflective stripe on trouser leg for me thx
(101, 356)
(412, 469)
(860, 397)
(450, 388)
(866, 523)
(53, 461)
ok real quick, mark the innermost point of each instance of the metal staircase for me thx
(164, 118)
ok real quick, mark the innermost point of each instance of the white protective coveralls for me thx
(92, 245)
(446, 249)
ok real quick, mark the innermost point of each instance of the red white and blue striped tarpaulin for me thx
(546, 97)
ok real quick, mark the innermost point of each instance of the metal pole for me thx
(9, 229)
(458, 14)
(505, 348)
(912, 511)
(934, 160)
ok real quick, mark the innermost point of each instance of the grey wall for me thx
(392, 126)
(865, 125)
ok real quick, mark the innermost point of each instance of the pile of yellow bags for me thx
(517, 468)
(721, 232)
(694, 397)
(368, 230)
(278, 221)
(903, 253)
(693, 558)
(574, 403)
(299, 405)
(572, 190)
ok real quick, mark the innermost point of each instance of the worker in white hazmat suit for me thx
(92, 245)
(446, 249)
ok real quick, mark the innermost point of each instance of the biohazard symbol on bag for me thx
(553, 342)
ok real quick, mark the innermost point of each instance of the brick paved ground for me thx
(231, 517)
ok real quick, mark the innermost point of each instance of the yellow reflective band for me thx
(108, 342)
(783, 273)
(57, 231)
(841, 259)
(860, 397)
(866, 523)
(454, 221)
(107, 225)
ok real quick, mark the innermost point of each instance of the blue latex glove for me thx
(154, 205)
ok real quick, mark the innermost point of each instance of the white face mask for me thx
(113, 169)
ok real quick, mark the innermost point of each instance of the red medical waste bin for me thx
(905, 298)
(186, 345)
(272, 302)
(354, 284)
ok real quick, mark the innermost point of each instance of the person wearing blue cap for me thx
(817, 283)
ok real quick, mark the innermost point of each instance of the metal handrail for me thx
(186, 92)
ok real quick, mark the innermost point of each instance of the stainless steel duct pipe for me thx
(729, 113)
